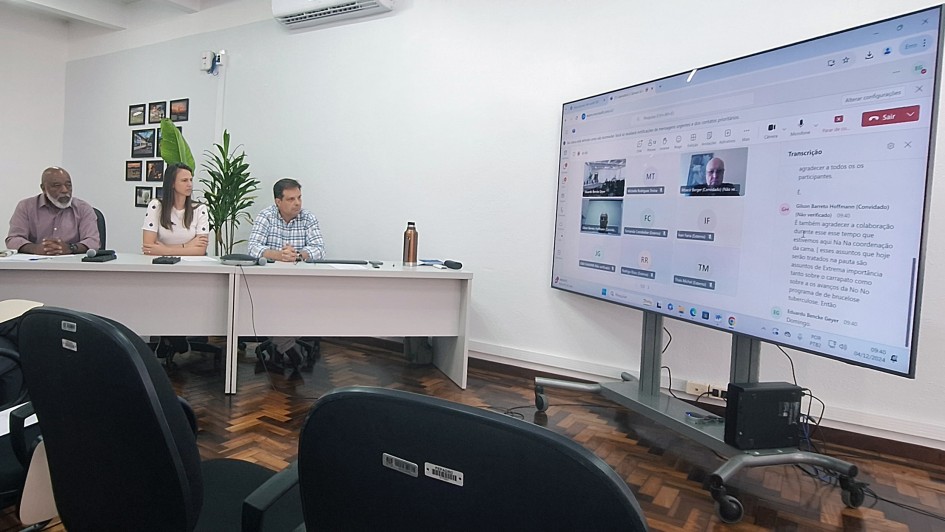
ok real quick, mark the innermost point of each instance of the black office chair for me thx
(17, 445)
(12, 387)
(167, 347)
(121, 453)
(100, 220)
(269, 358)
(379, 459)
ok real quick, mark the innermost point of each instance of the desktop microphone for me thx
(452, 264)
(242, 259)
(96, 252)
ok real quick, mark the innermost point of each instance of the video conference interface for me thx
(781, 195)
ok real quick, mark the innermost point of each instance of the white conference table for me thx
(279, 299)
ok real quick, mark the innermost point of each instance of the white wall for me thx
(447, 113)
(33, 65)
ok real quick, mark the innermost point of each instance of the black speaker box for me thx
(762, 415)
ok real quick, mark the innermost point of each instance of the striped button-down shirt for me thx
(270, 231)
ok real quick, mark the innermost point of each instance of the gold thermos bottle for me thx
(410, 245)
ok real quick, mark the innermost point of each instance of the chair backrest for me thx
(120, 450)
(100, 220)
(12, 387)
(379, 459)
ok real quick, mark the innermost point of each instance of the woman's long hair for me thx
(167, 197)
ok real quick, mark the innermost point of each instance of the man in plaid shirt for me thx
(286, 232)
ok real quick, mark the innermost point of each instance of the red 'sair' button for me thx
(891, 116)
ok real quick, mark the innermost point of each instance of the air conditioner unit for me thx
(302, 13)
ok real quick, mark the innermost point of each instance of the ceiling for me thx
(112, 15)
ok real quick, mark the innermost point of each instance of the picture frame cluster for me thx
(146, 164)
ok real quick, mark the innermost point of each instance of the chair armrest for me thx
(18, 417)
(188, 413)
(266, 495)
(13, 356)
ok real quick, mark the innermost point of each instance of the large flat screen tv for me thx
(781, 196)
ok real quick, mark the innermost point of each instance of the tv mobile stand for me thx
(644, 397)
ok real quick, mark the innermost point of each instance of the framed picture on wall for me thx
(155, 170)
(142, 196)
(136, 115)
(158, 192)
(156, 111)
(180, 110)
(142, 143)
(133, 171)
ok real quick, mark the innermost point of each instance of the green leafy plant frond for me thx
(174, 148)
(228, 192)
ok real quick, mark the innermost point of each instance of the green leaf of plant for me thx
(174, 148)
(227, 192)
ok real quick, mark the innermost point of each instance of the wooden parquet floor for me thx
(665, 471)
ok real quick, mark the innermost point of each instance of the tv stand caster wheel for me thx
(729, 509)
(853, 497)
(541, 402)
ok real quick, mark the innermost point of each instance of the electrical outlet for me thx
(695, 388)
(719, 392)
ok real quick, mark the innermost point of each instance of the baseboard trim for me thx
(916, 439)
(560, 366)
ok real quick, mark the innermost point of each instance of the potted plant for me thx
(228, 192)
